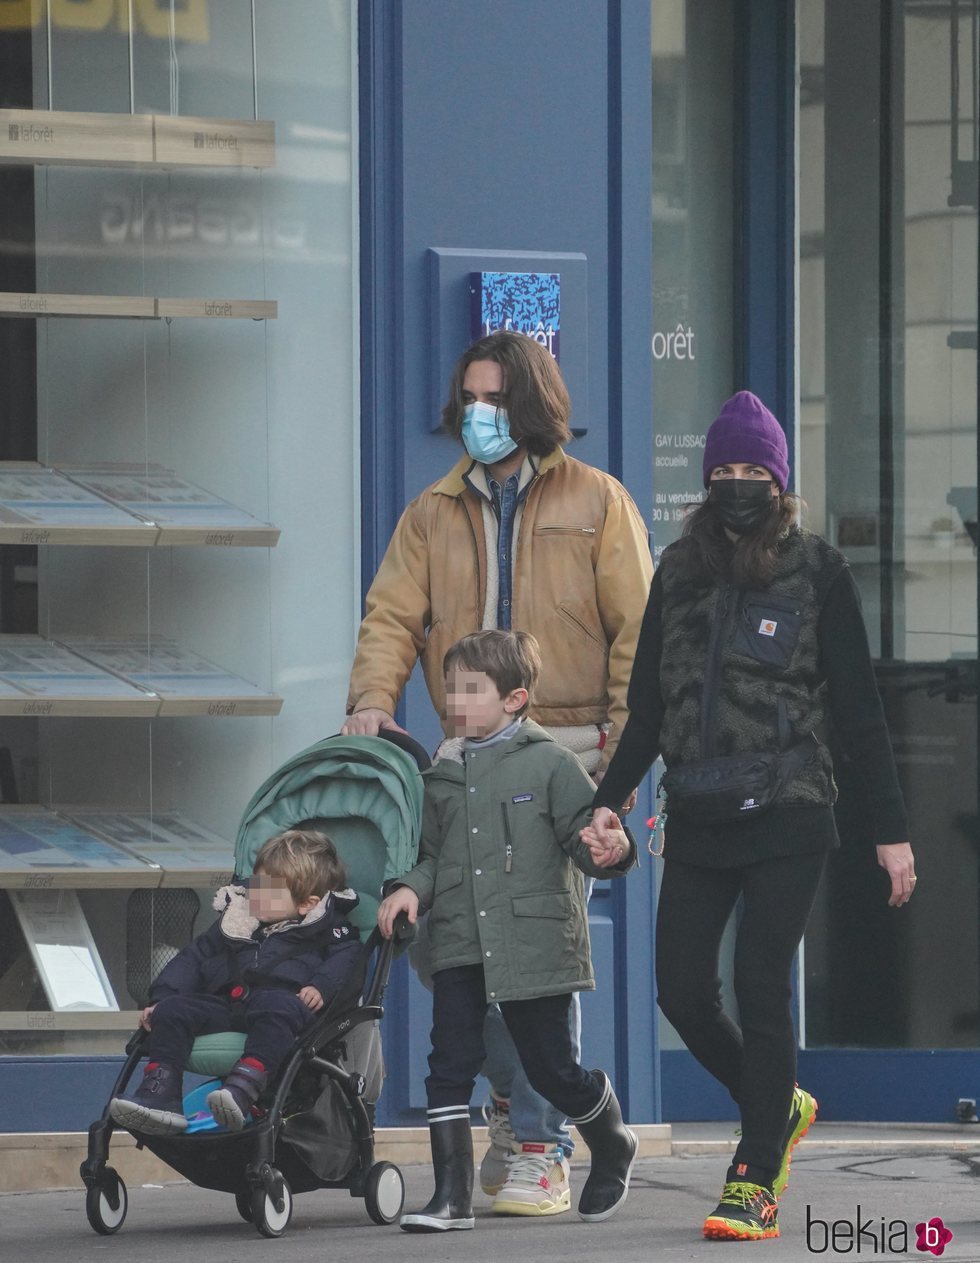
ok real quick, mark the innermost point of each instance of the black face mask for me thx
(742, 504)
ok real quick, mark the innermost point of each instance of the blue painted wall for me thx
(518, 126)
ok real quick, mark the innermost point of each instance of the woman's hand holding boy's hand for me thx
(607, 843)
(404, 899)
(311, 998)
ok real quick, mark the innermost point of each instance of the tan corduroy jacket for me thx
(582, 573)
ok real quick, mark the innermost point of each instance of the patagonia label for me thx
(522, 798)
(767, 627)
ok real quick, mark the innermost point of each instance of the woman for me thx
(752, 639)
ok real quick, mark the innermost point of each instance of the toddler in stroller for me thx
(278, 951)
(307, 1080)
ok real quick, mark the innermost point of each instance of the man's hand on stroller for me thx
(368, 723)
(311, 998)
(145, 1016)
(404, 899)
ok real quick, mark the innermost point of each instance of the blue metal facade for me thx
(514, 131)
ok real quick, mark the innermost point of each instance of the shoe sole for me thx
(606, 1214)
(150, 1122)
(802, 1127)
(224, 1110)
(558, 1207)
(728, 1230)
(426, 1223)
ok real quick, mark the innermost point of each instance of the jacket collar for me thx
(449, 761)
(238, 923)
(462, 473)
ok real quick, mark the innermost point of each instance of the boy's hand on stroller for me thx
(404, 899)
(368, 723)
(312, 998)
(145, 1016)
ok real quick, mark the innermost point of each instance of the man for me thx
(520, 536)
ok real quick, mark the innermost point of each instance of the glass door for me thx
(888, 466)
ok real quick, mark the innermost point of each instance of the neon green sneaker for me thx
(746, 1212)
(803, 1111)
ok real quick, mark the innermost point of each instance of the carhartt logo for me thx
(767, 627)
(933, 1236)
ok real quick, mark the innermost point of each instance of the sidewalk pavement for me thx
(856, 1190)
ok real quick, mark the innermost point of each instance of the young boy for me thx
(277, 954)
(500, 869)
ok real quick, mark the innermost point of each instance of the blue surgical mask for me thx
(486, 433)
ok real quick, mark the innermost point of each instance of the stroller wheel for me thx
(384, 1193)
(105, 1217)
(243, 1204)
(267, 1217)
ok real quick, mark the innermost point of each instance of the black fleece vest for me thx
(740, 671)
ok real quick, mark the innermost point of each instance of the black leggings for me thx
(757, 1063)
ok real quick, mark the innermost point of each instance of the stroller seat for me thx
(365, 793)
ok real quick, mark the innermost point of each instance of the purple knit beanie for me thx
(745, 431)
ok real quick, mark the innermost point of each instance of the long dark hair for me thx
(750, 561)
(537, 403)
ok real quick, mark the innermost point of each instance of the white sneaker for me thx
(503, 1145)
(537, 1182)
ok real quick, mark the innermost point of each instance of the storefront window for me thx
(888, 370)
(693, 258)
(178, 543)
(693, 244)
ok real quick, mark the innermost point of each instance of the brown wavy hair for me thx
(306, 860)
(534, 394)
(749, 561)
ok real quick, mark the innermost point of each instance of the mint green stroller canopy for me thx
(364, 793)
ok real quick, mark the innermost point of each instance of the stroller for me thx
(317, 1132)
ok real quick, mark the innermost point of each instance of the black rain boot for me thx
(452, 1160)
(613, 1147)
(231, 1104)
(156, 1108)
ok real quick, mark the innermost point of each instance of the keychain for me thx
(656, 826)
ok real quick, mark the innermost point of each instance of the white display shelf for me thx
(133, 307)
(89, 1020)
(75, 138)
(184, 683)
(120, 677)
(74, 848)
(136, 505)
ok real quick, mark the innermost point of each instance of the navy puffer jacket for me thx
(315, 952)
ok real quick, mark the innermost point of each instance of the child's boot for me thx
(157, 1106)
(613, 1147)
(452, 1161)
(231, 1104)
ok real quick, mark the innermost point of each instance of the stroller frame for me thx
(247, 1162)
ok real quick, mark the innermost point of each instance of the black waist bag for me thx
(733, 787)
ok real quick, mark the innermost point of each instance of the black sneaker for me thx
(156, 1108)
(746, 1212)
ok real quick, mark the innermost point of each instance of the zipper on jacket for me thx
(712, 670)
(545, 527)
(509, 846)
